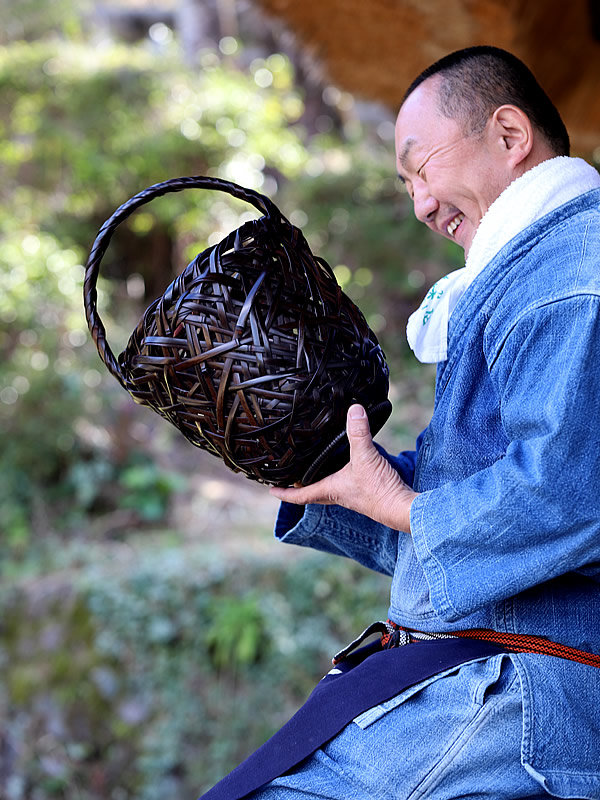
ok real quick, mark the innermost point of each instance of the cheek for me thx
(451, 180)
(454, 191)
(488, 183)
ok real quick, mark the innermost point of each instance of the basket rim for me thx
(106, 231)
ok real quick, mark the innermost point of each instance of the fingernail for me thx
(356, 412)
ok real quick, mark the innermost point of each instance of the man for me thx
(493, 522)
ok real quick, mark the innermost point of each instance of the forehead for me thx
(420, 124)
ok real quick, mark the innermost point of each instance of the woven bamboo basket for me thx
(254, 352)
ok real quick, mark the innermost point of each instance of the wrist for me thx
(398, 514)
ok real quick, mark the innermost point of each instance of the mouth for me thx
(454, 223)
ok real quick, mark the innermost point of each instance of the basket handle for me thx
(92, 268)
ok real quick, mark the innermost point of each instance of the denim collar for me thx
(529, 198)
(481, 296)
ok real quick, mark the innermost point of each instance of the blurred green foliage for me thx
(29, 20)
(84, 128)
(236, 634)
(40, 389)
(87, 127)
(135, 670)
(155, 680)
(148, 489)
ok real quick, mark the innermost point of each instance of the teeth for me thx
(453, 225)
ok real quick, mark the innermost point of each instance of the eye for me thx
(407, 186)
(421, 169)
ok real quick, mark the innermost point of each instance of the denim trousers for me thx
(456, 735)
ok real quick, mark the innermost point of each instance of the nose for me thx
(424, 203)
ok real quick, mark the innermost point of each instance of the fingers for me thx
(358, 431)
(289, 495)
(367, 484)
(318, 492)
(357, 420)
(327, 490)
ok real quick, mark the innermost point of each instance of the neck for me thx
(537, 191)
(540, 152)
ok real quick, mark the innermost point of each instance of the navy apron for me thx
(364, 679)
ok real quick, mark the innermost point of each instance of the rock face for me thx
(375, 48)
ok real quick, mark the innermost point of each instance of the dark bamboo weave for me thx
(254, 352)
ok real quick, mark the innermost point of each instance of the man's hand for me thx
(367, 484)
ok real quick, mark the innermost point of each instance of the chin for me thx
(466, 243)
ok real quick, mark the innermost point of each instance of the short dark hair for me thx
(478, 80)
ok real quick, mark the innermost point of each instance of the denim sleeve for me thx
(532, 515)
(336, 530)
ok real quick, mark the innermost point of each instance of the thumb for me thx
(358, 432)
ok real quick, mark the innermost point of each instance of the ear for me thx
(512, 132)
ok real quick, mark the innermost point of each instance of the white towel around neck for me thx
(536, 193)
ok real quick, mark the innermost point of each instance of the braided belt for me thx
(393, 635)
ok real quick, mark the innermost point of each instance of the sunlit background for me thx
(152, 633)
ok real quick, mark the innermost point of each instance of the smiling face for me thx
(452, 177)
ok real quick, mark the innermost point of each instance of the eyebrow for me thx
(403, 157)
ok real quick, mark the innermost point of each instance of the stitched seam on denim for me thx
(409, 693)
(583, 251)
(532, 308)
(528, 705)
(352, 780)
(439, 770)
(412, 620)
(492, 276)
(560, 773)
(435, 575)
(316, 517)
(422, 461)
(327, 763)
(371, 542)
(422, 548)
(308, 524)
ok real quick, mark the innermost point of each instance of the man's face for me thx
(452, 177)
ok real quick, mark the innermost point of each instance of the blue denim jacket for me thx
(506, 528)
